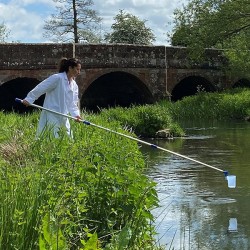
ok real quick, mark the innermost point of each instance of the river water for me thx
(197, 209)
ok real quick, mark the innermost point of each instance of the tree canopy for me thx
(74, 21)
(129, 29)
(221, 24)
(4, 32)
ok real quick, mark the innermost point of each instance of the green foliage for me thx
(129, 29)
(144, 120)
(51, 236)
(91, 35)
(233, 104)
(215, 24)
(73, 17)
(91, 243)
(72, 193)
(239, 53)
(90, 192)
(4, 32)
(121, 240)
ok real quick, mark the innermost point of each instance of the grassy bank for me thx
(86, 193)
(146, 120)
(229, 105)
(90, 192)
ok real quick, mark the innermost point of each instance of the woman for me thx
(61, 95)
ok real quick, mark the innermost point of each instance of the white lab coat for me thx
(61, 96)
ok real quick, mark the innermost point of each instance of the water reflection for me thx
(196, 204)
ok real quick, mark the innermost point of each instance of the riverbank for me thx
(91, 191)
(146, 120)
(86, 193)
(233, 104)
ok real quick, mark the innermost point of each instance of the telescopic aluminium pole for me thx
(230, 178)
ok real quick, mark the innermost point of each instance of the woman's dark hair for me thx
(66, 63)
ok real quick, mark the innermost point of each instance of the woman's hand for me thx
(26, 103)
(78, 118)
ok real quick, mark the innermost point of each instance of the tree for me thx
(221, 24)
(129, 29)
(75, 21)
(4, 32)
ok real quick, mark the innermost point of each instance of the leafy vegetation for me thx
(144, 120)
(129, 29)
(74, 21)
(89, 192)
(4, 32)
(230, 105)
(215, 24)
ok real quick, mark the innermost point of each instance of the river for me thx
(197, 209)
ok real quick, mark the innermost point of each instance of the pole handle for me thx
(18, 100)
(136, 139)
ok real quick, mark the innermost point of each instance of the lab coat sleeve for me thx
(45, 86)
(74, 109)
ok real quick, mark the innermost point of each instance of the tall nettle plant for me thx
(72, 193)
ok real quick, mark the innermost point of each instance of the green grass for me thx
(73, 194)
(229, 105)
(91, 192)
(145, 120)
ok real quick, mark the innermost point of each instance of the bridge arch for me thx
(17, 88)
(116, 88)
(190, 86)
(242, 83)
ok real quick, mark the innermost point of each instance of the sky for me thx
(25, 18)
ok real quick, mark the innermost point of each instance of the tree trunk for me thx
(76, 39)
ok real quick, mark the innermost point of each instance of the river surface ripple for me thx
(197, 209)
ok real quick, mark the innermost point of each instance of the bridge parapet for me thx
(32, 56)
(114, 71)
(178, 58)
(45, 56)
(121, 56)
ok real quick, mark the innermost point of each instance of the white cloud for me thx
(25, 22)
(158, 13)
(23, 25)
(28, 2)
(25, 18)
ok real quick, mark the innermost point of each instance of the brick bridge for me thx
(112, 74)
